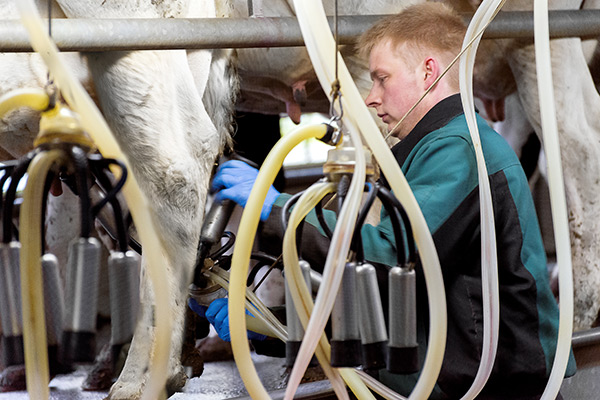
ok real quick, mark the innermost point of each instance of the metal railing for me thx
(206, 33)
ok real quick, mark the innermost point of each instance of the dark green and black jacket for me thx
(439, 163)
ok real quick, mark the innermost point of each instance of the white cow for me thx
(153, 103)
(578, 109)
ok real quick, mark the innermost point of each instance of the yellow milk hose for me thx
(334, 264)
(32, 290)
(243, 248)
(321, 47)
(489, 260)
(96, 126)
(36, 99)
(302, 296)
(557, 198)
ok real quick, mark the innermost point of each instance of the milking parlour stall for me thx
(116, 247)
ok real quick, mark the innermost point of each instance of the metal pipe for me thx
(586, 338)
(206, 33)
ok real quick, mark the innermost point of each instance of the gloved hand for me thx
(217, 314)
(234, 180)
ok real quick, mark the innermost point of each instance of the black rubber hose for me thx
(98, 168)
(228, 245)
(80, 164)
(11, 194)
(8, 170)
(284, 219)
(263, 260)
(98, 165)
(322, 222)
(285, 210)
(360, 220)
(385, 193)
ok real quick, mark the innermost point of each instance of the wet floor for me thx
(219, 381)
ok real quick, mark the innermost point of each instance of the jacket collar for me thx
(442, 113)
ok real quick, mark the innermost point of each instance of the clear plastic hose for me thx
(557, 198)
(96, 126)
(243, 248)
(321, 47)
(262, 322)
(32, 292)
(334, 264)
(489, 260)
(302, 297)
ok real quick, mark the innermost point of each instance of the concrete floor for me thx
(220, 381)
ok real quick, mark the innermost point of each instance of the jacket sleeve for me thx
(438, 182)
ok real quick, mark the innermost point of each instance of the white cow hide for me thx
(152, 101)
(578, 112)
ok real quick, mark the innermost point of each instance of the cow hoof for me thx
(13, 378)
(213, 348)
(193, 361)
(176, 382)
(101, 375)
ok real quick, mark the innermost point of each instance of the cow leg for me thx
(151, 103)
(578, 112)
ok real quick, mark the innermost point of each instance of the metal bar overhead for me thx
(207, 33)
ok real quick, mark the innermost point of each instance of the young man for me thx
(407, 53)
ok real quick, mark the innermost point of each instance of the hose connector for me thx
(206, 295)
(61, 125)
(341, 161)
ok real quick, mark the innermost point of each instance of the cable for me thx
(285, 210)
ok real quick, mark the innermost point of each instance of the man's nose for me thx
(372, 100)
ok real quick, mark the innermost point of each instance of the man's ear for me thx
(432, 71)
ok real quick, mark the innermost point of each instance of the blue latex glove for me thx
(234, 180)
(217, 314)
